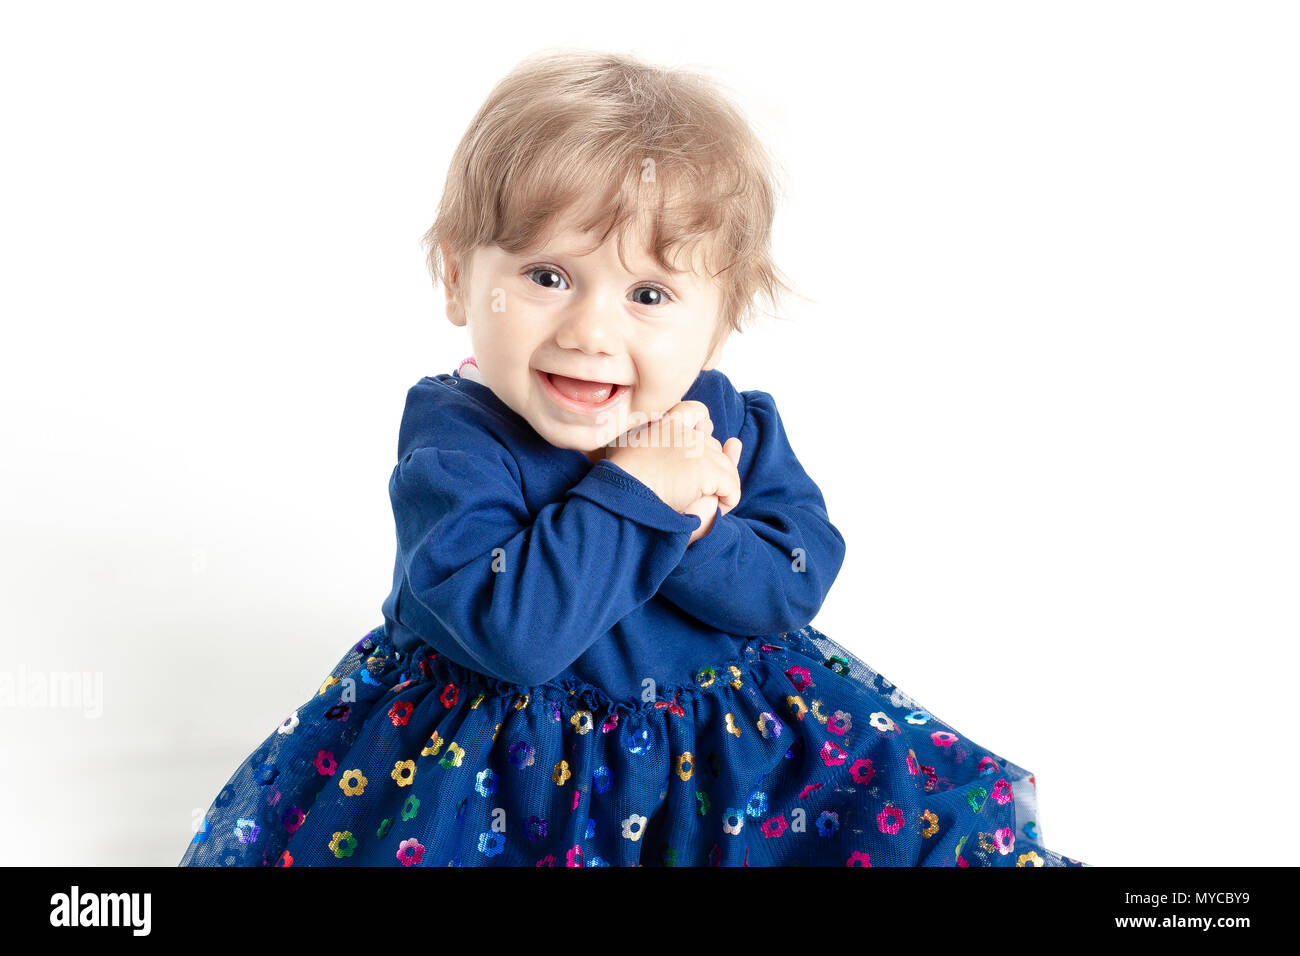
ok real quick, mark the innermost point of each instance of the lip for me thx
(564, 401)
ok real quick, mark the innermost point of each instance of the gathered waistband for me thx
(569, 694)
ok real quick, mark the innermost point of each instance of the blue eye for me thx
(549, 272)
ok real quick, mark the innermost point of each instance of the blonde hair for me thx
(576, 132)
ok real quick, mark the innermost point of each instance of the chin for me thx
(584, 443)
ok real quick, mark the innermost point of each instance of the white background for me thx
(1045, 375)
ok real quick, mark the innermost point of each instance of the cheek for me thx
(679, 348)
(669, 367)
(513, 331)
(654, 398)
(524, 322)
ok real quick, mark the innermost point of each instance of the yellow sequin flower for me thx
(561, 773)
(433, 746)
(404, 772)
(768, 725)
(343, 844)
(1029, 859)
(796, 706)
(581, 721)
(731, 726)
(455, 754)
(685, 765)
(354, 789)
(932, 823)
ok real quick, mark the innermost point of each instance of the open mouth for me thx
(580, 394)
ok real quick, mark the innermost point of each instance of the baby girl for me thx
(597, 647)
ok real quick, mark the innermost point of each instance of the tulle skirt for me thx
(793, 753)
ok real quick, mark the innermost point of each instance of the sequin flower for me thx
(882, 722)
(833, 754)
(890, 820)
(343, 844)
(684, 764)
(931, 821)
(633, 827)
(536, 828)
(1004, 839)
(455, 754)
(581, 721)
(325, 763)
(862, 771)
(800, 677)
(840, 723)
(357, 786)
(521, 754)
(410, 852)
(449, 695)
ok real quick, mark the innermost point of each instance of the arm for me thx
(525, 596)
(765, 566)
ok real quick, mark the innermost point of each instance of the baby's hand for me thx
(707, 506)
(677, 457)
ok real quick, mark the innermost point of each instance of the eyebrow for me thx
(654, 271)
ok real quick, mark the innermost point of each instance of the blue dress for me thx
(562, 679)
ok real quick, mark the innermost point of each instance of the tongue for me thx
(592, 393)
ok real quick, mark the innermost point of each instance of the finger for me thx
(704, 504)
(700, 444)
(679, 428)
(727, 458)
(727, 486)
(732, 449)
(690, 412)
(683, 421)
(700, 435)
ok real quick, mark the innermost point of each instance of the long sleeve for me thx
(766, 566)
(522, 595)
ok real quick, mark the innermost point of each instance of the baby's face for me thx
(539, 318)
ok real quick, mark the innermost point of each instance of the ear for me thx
(451, 269)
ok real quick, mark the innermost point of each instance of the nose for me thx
(590, 324)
